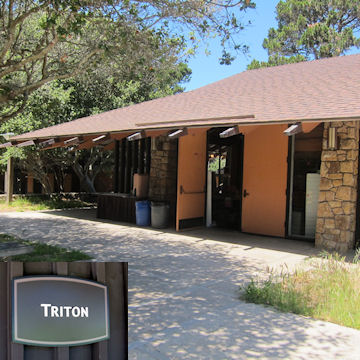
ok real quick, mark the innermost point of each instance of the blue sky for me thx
(206, 69)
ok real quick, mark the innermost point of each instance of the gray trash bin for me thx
(160, 214)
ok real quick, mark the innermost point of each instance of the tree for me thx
(64, 100)
(311, 29)
(45, 40)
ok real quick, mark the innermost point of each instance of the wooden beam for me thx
(26, 143)
(122, 160)
(10, 180)
(141, 160)
(109, 146)
(120, 136)
(148, 155)
(87, 144)
(116, 166)
(5, 145)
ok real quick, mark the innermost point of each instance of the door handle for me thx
(246, 193)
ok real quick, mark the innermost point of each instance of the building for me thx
(270, 151)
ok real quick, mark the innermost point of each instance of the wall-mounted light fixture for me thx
(332, 138)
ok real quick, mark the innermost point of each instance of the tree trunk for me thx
(85, 182)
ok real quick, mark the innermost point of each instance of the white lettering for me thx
(54, 311)
(65, 311)
(75, 311)
(84, 311)
(46, 307)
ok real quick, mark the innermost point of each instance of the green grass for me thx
(328, 291)
(34, 203)
(43, 252)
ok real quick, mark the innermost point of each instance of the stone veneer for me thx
(163, 172)
(335, 228)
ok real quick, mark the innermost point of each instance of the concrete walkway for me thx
(183, 289)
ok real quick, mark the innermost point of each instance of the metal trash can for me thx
(160, 214)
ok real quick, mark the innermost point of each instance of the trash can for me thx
(143, 213)
(160, 214)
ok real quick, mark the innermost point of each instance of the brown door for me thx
(191, 179)
(264, 180)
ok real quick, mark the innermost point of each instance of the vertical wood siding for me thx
(112, 274)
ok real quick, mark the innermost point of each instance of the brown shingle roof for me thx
(315, 90)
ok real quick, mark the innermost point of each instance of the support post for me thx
(116, 166)
(9, 188)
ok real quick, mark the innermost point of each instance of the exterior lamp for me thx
(73, 141)
(229, 132)
(46, 143)
(136, 136)
(177, 133)
(332, 139)
(294, 129)
(101, 138)
(26, 143)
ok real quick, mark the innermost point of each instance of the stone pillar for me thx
(336, 220)
(163, 171)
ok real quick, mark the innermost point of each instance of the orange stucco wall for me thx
(265, 179)
(191, 175)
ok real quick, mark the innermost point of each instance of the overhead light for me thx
(136, 136)
(73, 141)
(229, 132)
(46, 143)
(101, 138)
(294, 129)
(26, 143)
(332, 139)
(177, 133)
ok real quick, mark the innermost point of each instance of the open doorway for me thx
(304, 183)
(224, 189)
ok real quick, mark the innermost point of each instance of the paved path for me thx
(183, 301)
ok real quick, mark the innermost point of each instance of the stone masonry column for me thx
(336, 220)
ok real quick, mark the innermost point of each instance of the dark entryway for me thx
(305, 154)
(225, 163)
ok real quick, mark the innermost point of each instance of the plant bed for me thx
(327, 290)
(35, 203)
(40, 251)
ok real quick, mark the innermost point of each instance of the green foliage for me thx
(43, 252)
(328, 291)
(106, 88)
(34, 203)
(47, 40)
(275, 60)
(311, 29)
